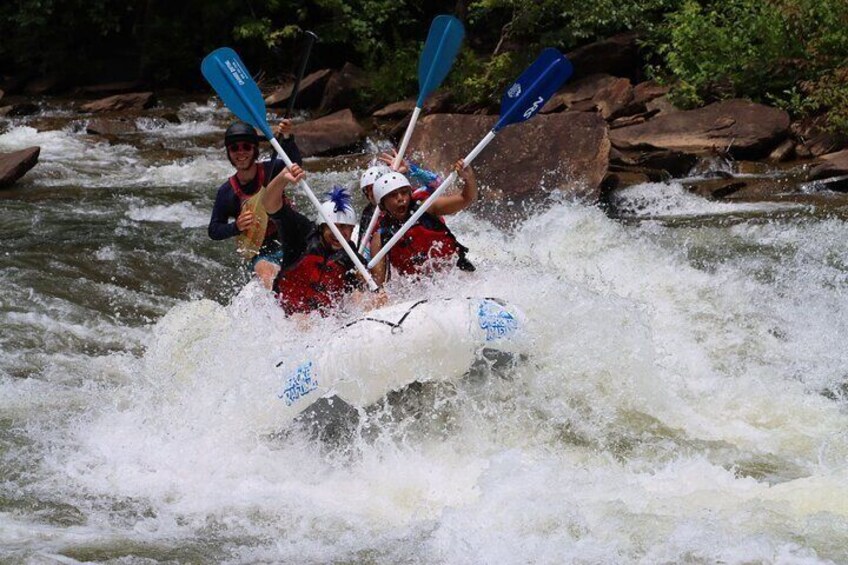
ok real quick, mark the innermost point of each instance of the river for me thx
(684, 400)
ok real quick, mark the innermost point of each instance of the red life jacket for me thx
(315, 282)
(271, 228)
(427, 239)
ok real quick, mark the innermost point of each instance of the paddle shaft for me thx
(375, 217)
(311, 195)
(406, 137)
(432, 198)
(310, 40)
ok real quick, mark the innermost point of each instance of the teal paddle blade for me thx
(228, 76)
(526, 96)
(440, 50)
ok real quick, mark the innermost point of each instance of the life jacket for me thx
(429, 238)
(271, 228)
(315, 282)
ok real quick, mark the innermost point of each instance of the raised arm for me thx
(272, 199)
(451, 204)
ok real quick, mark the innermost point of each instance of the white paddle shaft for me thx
(427, 203)
(375, 217)
(406, 137)
(311, 195)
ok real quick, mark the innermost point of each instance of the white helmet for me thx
(338, 207)
(387, 184)
(371, 175)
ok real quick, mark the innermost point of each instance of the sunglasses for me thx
(241, 146)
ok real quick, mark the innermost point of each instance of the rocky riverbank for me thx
(602, 133)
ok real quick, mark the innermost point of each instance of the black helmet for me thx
(240, 131)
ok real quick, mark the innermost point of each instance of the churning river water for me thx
(684, 400)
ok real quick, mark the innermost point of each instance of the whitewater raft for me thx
(390, 348)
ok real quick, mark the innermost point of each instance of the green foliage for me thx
(830, 92)
(788, 52)
(567, 23)
(731, 49)
(394, 80)
(480, 82)
(792, 53)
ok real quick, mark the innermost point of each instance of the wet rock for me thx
(310, 94)
(328, 135)
(20, 109)
(832, 166)
(671, 163)
(617, 180)
(1, 94)
(618, 56)
(783, 152)
(815, 137)
(743, 128)
(715, 189)
(110, 127)
(342, 86)
(121, 102)
(395, 110)
(15, 165)
(566, 151)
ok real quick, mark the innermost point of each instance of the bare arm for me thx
(272, 199)
(453, 203)
(379, 270)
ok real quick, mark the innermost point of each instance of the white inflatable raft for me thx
(389, 348)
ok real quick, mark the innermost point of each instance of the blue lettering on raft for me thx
(497, 322)
(299, 384)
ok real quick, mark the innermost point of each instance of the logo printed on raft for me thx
(497, 322)
(299, 384)
(514, 90)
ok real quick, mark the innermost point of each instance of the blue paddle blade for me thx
(228, 76)
(526, 96)
(440, 50)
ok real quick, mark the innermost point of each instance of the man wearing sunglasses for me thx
(267, 247)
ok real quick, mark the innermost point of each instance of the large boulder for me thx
(136, 101)
(342, 86)
(15, 165)
(309, 94)
(329, 135)
(568, 152)
(745, 129)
